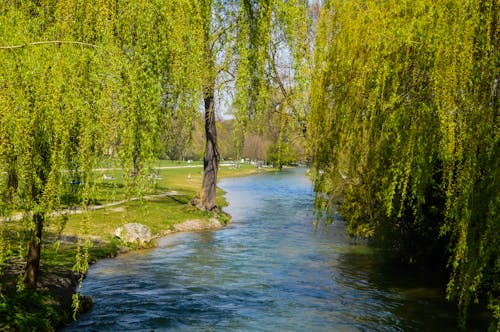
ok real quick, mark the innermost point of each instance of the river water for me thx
(269, 270)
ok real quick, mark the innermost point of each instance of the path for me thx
(162, 167)
(78, 210)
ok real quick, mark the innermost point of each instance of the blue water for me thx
(269, 270)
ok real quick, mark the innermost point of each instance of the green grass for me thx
(159, 214)
(112, 185)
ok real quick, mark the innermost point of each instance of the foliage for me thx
(404, 128)
(273, 72)
(84, 80)
(80, 80)
(27, 310)
(277, 138)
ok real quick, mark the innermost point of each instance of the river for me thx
(269, 270)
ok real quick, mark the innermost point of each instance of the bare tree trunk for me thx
(31, 271)
(206, 198)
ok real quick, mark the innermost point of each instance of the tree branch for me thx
(10, 47)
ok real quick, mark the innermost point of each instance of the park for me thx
(125, 115)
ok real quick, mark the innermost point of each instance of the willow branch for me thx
(10, 47)
(286, 95)
(281, 85)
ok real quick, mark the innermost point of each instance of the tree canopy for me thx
(404, 128)
(82, 80)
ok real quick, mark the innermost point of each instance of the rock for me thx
(198, 225)
(133, 233)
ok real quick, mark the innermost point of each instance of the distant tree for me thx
(225, 135)
(255, 147)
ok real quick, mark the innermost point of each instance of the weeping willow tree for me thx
(239, 38)
(76, 78)
(53, 88)
(272, 85)
(404, 129)
(160, 77)
(79, 77)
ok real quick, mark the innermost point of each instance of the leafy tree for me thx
(51, 89)
(78, 77)
(404, 128)
(236, 43)
(81, 78)
(277, 137)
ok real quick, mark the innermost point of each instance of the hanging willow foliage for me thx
(404, 129)
(49, 98)
(273, 47)
(79, 79)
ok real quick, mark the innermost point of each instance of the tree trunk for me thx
(136, 154)
(33, 260)
(206, 198)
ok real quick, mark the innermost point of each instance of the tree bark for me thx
(206, 198)
(31, 271)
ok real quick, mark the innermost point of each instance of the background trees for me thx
(404, 127)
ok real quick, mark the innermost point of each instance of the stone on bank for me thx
(134, 233)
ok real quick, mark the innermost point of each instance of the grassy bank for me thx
(167, 193)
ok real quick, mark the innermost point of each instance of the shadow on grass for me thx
(51, 304)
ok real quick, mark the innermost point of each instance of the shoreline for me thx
(63, 287)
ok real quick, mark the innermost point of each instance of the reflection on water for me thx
(267, 271)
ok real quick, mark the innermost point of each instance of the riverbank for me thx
(163, 213)
(63, 284)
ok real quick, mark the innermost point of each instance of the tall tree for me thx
(398, 111)
(206, 197)
(238, 37)
(81, 76)
(50, 90)
(78, 77)
(274, 72)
